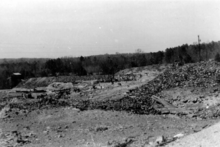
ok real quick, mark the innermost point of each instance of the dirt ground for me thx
(69, 127)
(22, 124)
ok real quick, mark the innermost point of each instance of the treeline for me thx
(105, 64)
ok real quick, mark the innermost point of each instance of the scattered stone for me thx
(60, 136)
(4, 111)
(159, 140)
(46, 131)
(59, 86)
(123, 143)
(178, 135)
(40, 89)
(101, 129)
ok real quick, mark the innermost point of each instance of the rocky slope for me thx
(139, 100)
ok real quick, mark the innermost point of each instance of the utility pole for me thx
(199, 48)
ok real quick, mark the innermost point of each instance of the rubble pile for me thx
(50, 101)
(16, 138)
(54, 95)
(138, 106)
(126, 77)
(190, 75)
(139, 100)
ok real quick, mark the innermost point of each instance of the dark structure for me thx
(15, 79)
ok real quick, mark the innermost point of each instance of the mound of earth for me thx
(140, 100)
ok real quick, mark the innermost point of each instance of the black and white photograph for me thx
(109, 73)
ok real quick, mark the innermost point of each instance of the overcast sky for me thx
(57, 28)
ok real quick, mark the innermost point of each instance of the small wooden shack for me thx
(15, 79)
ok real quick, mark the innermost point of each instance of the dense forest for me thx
(105, 64)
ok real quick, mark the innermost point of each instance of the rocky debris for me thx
(51, 101)
(192, 75)
(207, 113)
(77, 90)
(13, 109)
(16, 138)
(163, 140)
(94, 82)
(58, 86)
(87, 86)
(15, 100)
(200, 102)
(126, 77)
(142, 100)
(40, 89)
(159, 140)
(168, 108)
(32, 100)
(101, 129)
(97, 87)
(134, 105)
(178, 135)
(4, 111)
(144, 141)
(124, 143)
(200, 74)
(37, 95)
